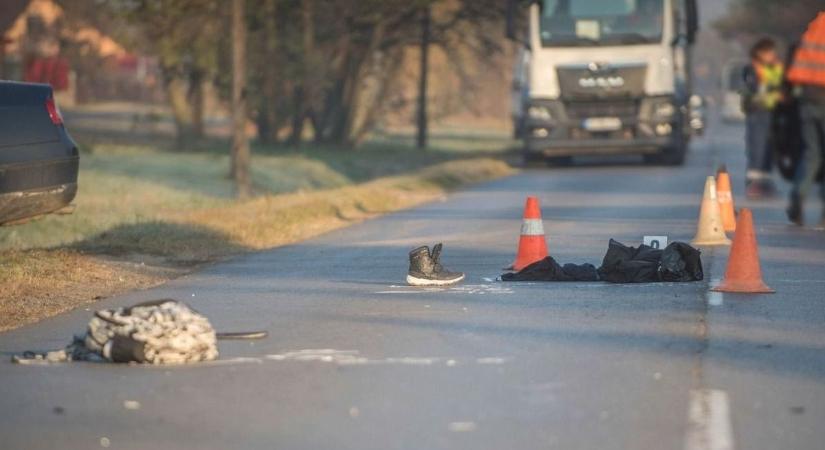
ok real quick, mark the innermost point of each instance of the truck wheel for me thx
(669, 156)
(559, 161)
(531, 159)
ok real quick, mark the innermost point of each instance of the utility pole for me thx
(421, 119)
(240, 142)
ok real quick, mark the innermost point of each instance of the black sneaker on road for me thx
(426, 270)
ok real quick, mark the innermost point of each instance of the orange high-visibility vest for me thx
(809, 61)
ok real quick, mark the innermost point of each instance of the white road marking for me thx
(798, 281)
(709, 426)
(353, 357)
(480, 289)
(131, 404)
(715, 298)
(412, 291)
(462, 427)
(222, 362)
(490, 360)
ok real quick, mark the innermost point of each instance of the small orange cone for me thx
(725, 196)
(710, 230)
(743, 273)
(531, 246)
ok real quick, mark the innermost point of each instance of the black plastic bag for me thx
(681, 262)
(549, 270)
(623, 264)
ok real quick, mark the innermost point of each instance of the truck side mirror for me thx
(692, 11)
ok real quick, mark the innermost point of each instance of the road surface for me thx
(356, 360)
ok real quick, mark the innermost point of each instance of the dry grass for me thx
(144, 217)
(42, 283)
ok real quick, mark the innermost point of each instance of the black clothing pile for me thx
(678, 262)
(549, 270)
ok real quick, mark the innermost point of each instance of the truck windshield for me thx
(601, 22)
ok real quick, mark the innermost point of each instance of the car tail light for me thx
(54, 113)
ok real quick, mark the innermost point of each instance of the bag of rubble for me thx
(156, 332)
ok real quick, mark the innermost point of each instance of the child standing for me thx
(763, 92)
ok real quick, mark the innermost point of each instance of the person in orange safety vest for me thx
(807, 74)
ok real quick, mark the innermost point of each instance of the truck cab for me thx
(604, 77)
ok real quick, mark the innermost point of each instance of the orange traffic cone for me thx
(531, 246)
(710, 230)
(725, 196)
(743, 273)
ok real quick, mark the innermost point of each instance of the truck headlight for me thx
(539, 113)
(664, 110)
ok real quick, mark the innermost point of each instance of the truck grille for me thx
(627, 110)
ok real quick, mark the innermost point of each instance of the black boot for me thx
(426, 270)
(795, 210)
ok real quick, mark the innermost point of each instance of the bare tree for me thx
(185, 37)
(786, 20)
(240, 142)
(333, 63)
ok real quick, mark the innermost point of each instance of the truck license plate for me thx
(602, 124)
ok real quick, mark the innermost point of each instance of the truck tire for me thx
(559, 161)
(669, 156)
(531, 159)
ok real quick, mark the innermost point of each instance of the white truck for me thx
(599, 77)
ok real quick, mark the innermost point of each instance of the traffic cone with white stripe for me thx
(725, 197)
(532, 246)
(710, 230)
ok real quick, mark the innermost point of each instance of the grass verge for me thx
(144, 217)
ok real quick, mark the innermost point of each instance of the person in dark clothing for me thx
(763, 92)
(807, 73)
(787, 128)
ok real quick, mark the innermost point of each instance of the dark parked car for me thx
(38, 159)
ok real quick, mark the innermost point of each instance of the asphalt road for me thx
(356, 360)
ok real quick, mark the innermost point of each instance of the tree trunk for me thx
(267, 113)
(421, 119)
(176, 93)
(388, 73)
(302, 94)
(240, 143)
(197, 97)
(359, 69)
(298, 116)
